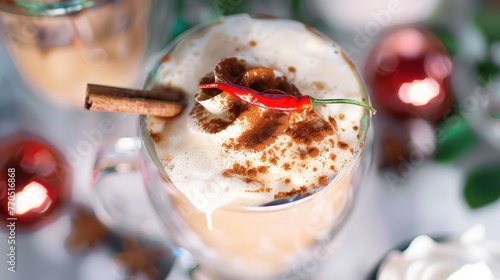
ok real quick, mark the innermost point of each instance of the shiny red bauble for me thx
(34, 181)
(408, 74)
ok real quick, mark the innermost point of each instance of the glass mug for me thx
(285, 241)
(60, 47)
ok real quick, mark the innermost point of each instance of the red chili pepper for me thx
(281, 102)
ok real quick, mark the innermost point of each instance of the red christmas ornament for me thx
(408, 73)
(34, 181)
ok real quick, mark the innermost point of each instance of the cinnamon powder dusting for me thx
(319, 85)
(263, 157)
(286, 166)
(266, 128)
(323, 181)
(273, 160)
(248, 174)
(332, 143)
(156, 137)
(260, 190)
(311, 130)
(245, 171)
(293, 192)
(333, 122)
(166, 58)
(310, 152)
(343, 145)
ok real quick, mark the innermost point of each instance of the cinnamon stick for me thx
(124, 100)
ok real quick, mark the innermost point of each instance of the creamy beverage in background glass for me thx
(60, 46)
(226, 162)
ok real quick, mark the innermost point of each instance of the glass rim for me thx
(35, 9)
(149, 145)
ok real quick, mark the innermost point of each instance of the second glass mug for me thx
(285, 241)
(60, 46)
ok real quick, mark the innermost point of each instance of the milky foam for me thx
(195, 160)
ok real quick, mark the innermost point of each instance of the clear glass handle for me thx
(122, 203)
(120, 199)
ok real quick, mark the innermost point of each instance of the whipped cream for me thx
(258, 155)
(471, 256)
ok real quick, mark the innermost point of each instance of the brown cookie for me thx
(87, 231)
(139, 260)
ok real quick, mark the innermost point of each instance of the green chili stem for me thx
(316, 102)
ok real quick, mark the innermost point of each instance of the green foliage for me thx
(487, 70)
(454, 137)
(482, 186)
(488, 21)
